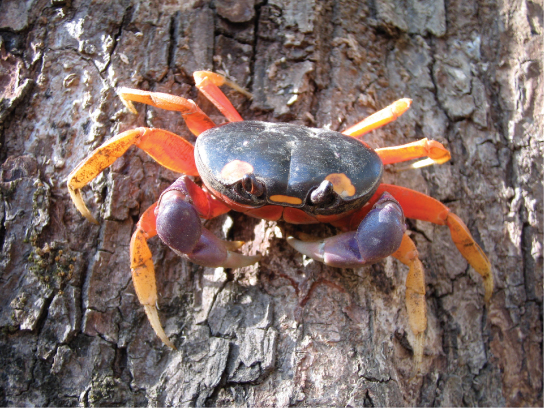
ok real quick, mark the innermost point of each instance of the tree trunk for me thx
(287, 331)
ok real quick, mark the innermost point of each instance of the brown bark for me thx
(286, 332)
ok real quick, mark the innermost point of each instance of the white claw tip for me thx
(312, 249)
(236, 260)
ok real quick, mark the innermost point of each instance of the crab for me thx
(278, 171)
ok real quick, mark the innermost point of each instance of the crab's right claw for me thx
(176, 220)
(179, 226)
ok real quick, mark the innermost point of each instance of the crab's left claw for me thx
(419, 206)
(75, 194)
(378, 236)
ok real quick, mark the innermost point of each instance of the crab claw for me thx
(378, 236)
(176, 219)
(179, 227)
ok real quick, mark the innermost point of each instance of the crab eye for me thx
(324, 194)
(252, 185)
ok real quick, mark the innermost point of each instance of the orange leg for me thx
(430, 148)
(196, 120)
(379, 119)
(143, 271)
(419, 206)
(173, 218)
(168, 149)
(415, 293)
(435, 151)
(209, 82)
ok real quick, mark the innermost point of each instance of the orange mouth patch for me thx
(285, 199)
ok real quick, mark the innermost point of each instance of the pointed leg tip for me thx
(401, 106)
(406, 101)
(153, 317)
(91, 219)
(77, 199)
(488, 287)
(128, 103)
(418, 347)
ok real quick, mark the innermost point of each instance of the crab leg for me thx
(378, 236)
(209, 82)
(434, 150)
(176, 219)
(380, 118)
(143, 272)
(415, 293)
(419, 206)
(196, 120)
(168, 149)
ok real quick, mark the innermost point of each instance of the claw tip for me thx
(312, 249)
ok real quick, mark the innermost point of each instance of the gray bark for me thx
(287, 331)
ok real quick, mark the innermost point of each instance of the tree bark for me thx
(286, 331)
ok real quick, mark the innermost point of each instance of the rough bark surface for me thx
(288, 331)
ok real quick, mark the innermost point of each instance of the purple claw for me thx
(380, 233)
(178, 223)
(209, 251)
(179, 227)
(378, 236)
